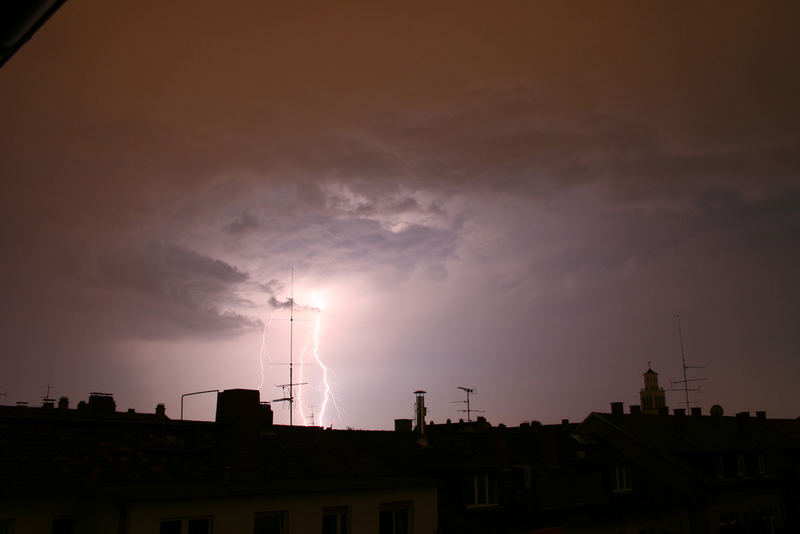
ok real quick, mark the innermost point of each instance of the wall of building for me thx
(303, 512)
(35, 515)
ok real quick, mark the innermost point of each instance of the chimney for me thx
(243, 406)
(761, 415)
(680, 412)
(101, 403)
(663, 410)
(741, 420)
(402, 425)
(617, 408)
(697, 411)
(63, 403)
(636, 409)
(161, 410)
(564, 422)
(241, 419)
(421, 411)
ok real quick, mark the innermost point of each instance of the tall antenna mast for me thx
(291, 339)
(291, 384)
(686, 389)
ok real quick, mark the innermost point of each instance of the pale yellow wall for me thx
(304, 511)
(35, 516)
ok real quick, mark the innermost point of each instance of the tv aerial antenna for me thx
(290, 386)
(469, 410)
(46, 397)
(686, 381)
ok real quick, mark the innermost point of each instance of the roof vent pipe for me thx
(421, 411)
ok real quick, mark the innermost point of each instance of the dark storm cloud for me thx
(271, 287)
(181, 291)
(245, 223)
(280, 304)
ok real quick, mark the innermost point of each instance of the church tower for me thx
(652, 397)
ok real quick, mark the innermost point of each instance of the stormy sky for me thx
(517, 197)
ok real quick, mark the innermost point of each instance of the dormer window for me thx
(622, 479)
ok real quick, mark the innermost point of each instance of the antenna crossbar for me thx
(686, 389)
(468, 411)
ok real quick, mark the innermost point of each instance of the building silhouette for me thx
(651, 396)
(95, 469)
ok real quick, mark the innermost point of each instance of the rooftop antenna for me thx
(46, 397)
(685, 388)
(468, 391)
(291, 384)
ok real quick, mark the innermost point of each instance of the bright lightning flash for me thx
(319, 306)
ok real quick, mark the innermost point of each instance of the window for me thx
(622, 479)
(395, 518)
(63, 525)
(740, 468)
(481, 490)
(192, 525)
(335, 520)
(6, 526)
(762, 464)
(270, 523)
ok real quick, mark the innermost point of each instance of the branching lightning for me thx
(324, 388)
(325, 385)
(302, 378)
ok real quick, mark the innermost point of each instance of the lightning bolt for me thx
(300, 388)
(326, 387)
(264, 349)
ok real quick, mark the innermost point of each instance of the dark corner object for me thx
(19, 20)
